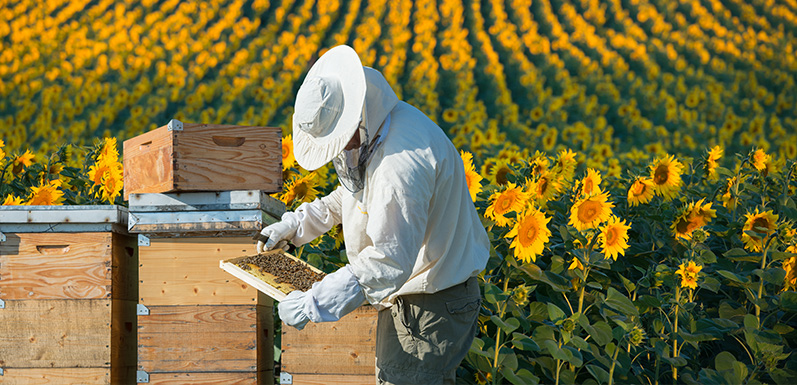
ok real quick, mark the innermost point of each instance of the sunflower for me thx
(513, 198)
(590, 211)
(302, 189)
(760, 160)
(566, 164)
(2, 153)
(789, 264)
(11, 200)
(666, 176)
(694, 216)
(473, 179)
(728, 198)
(530, 234)
(714, 155)
(497, 174)
(46, 194)
(591, 182)
(614, 237)
(512, 156)
(287, 153)
(576, 264)
(761, 225)
(641, 191)
(545, 188)
(450, 115)
(109, 151)
(689, 273)
(539, 164)
(22, 161)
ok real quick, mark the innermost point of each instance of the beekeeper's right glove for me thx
(279, 233)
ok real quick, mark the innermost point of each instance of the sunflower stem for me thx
(581, 290)
(675, 333)
(498, 333)
(614, 362)
(761, 284)
(586, 272)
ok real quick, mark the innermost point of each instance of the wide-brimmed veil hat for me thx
(328, 107)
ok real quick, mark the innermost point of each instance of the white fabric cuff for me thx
(335, 296)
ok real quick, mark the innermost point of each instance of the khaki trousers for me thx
(422, 338)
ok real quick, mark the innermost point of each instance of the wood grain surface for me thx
(207, 338)
(347, 346)
(56, 265)
(56, 376)
(56, 333)
(204, 157)
(185, 271)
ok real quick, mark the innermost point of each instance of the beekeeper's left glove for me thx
(330, 299)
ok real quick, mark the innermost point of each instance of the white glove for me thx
(335, 296)
(279, 233)
(291, 310)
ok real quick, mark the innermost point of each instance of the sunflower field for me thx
(633, 160)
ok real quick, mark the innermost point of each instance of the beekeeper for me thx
(413, 238)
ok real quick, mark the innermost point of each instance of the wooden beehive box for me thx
(67, 295)
(203, 157)
(195, 322)
(348, 348)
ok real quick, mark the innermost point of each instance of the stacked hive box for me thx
(196, 322)
(347, 347)
(67, 295)
(197, 194)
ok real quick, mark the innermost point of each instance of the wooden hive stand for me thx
(67, 295)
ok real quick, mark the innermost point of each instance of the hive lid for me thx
(55, 219)
(206, 201)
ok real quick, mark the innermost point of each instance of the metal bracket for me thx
(143, 240)
(2, 306)
(286, 378)
(175, 125)
(142, 376)
(2, 237)
(141, 309)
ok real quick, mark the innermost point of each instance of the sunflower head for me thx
(300, 189)
(566, 164)
(11, 200)
(694, 216)
(47, 193)
(287, 153)
(641, 191)
(760, 160)
(790, 266)
(499, 172)
(22, 161)
(545, 187)
(757, 227)
(591, 182)
(472, 178)
(712, 161)
(530, 234)
(614, 237)
(590, 211)
(511, 199)
(666, 176)
(689, 273)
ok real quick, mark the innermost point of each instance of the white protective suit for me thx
(413, 227)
